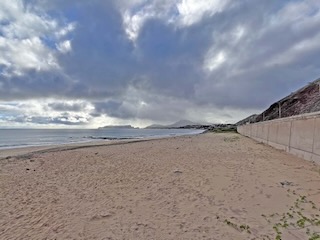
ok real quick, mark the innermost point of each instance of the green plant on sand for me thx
(303, 217)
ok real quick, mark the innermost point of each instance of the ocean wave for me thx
(9, 146)
(110, 138)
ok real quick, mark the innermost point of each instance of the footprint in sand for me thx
(102, 216)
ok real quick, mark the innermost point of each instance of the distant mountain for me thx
(179, 124)
(305, 100)
(155, 126)
(116, 126)
(182, 123)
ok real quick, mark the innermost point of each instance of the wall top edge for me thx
(296, 117)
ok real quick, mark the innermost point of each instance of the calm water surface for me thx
(14, 138)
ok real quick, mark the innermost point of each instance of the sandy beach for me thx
(207, 186)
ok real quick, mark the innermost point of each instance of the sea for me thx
(19, 138)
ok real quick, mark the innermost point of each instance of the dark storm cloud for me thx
(264, 74)
(72, 107)
(112, 109)
(101, 58)
(153, 109)
(34, 84)
(267, 50)
(171, 58)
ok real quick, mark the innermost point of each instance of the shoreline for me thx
(17, 150)
(96, 138)
(206, 186)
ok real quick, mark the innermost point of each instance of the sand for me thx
(208, 186)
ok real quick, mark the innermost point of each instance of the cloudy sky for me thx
(90, 63)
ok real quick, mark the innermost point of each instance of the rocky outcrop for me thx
(250, 119)
(305, 100)
(178, 124)
(116, 126)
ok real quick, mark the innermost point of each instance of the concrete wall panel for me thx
(299, 135)
(277, 146)
(302, 134)
(254, 130)
(247, 131)
(316, 143)
(283, 135)
(265, 132)
(316, 158)
(260, 131)
(301, 154)
(273, 132)
(250, 130)
(243, 130)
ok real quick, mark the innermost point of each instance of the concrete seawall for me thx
(299, 135)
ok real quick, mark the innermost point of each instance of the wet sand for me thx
(208, 186)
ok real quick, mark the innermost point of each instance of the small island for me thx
(117, 126)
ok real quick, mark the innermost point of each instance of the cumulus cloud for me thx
(179, 13)
(25, 38)
(50, 112)
(64, 46)
(191, 11)
(68, 106)
(154, 61)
